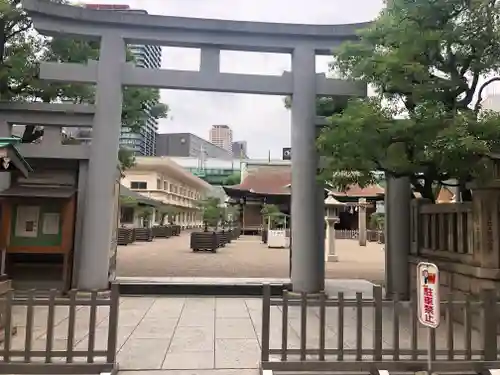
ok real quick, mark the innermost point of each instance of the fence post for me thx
(489, 328)
(113, 323)
(266, 317)
(377, 322)
(416, 225)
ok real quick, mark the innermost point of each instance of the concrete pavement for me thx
(246, 257)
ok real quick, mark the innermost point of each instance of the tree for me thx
(233, 179)
(18, 47)
(211, 211)
(168, 212)
(22, 51)
(426, 60)
(272, 215)
(126, 158)
(377, 221)
(145, 213)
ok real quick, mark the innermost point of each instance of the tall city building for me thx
(239, 149)
(188, 145)
(222, 136)
(142, 142)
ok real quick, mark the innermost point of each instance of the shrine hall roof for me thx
(270, 180)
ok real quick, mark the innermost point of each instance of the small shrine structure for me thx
(271, 184)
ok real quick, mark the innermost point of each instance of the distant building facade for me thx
(239, 149)
(188, 145)
(164, 180)
(215, 171)
(143, 142)
(222, 136)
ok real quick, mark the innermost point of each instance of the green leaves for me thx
(424, 59)
(212, 211)
(126, 158)
(233, 179)
(21, 52)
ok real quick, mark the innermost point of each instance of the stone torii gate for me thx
(111, 72)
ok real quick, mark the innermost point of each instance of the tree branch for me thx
(30, 134)
(470, 92)
(18, 31)
(381, 168)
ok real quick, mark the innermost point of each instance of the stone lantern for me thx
(362, 206)
(333, 208)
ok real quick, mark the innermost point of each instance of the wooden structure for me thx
(463, 239)
(11, 159)
(352, 339)
(38, 221)
(95, 358)
(212, 240)
(270, 184)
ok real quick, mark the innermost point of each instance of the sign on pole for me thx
(428, 294)
(287, 153)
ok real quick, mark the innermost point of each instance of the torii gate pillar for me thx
(98, 218)
(308, 270)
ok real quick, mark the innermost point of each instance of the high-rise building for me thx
(142, 142)
(222, 136)
(188, 145)
(239, 149)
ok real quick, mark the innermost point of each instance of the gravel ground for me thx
(245, 257)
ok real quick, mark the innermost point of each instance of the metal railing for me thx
(347, 234)
(370, 334)
(353, 234)
(36, 349)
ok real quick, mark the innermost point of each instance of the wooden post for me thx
(490, 320)
(486, 221)
(362, 221)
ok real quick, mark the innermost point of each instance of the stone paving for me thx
(246, 257)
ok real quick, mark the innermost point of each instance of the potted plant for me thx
(211, 215)
(145, 232)
(270, 214)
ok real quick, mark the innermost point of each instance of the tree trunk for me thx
(425, 189)
(466, 194)
(4, 86)
(30, 135)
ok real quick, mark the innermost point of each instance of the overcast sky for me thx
(260, 120)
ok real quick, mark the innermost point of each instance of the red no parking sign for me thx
(428, 294)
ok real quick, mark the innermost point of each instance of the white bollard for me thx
(494, 371)
(383, 372)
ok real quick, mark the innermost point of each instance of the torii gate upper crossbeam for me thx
(55, 19)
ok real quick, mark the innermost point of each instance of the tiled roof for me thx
(277, 180)
(356, 191)
(266, 180)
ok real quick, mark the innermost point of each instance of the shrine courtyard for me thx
(246, 257)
